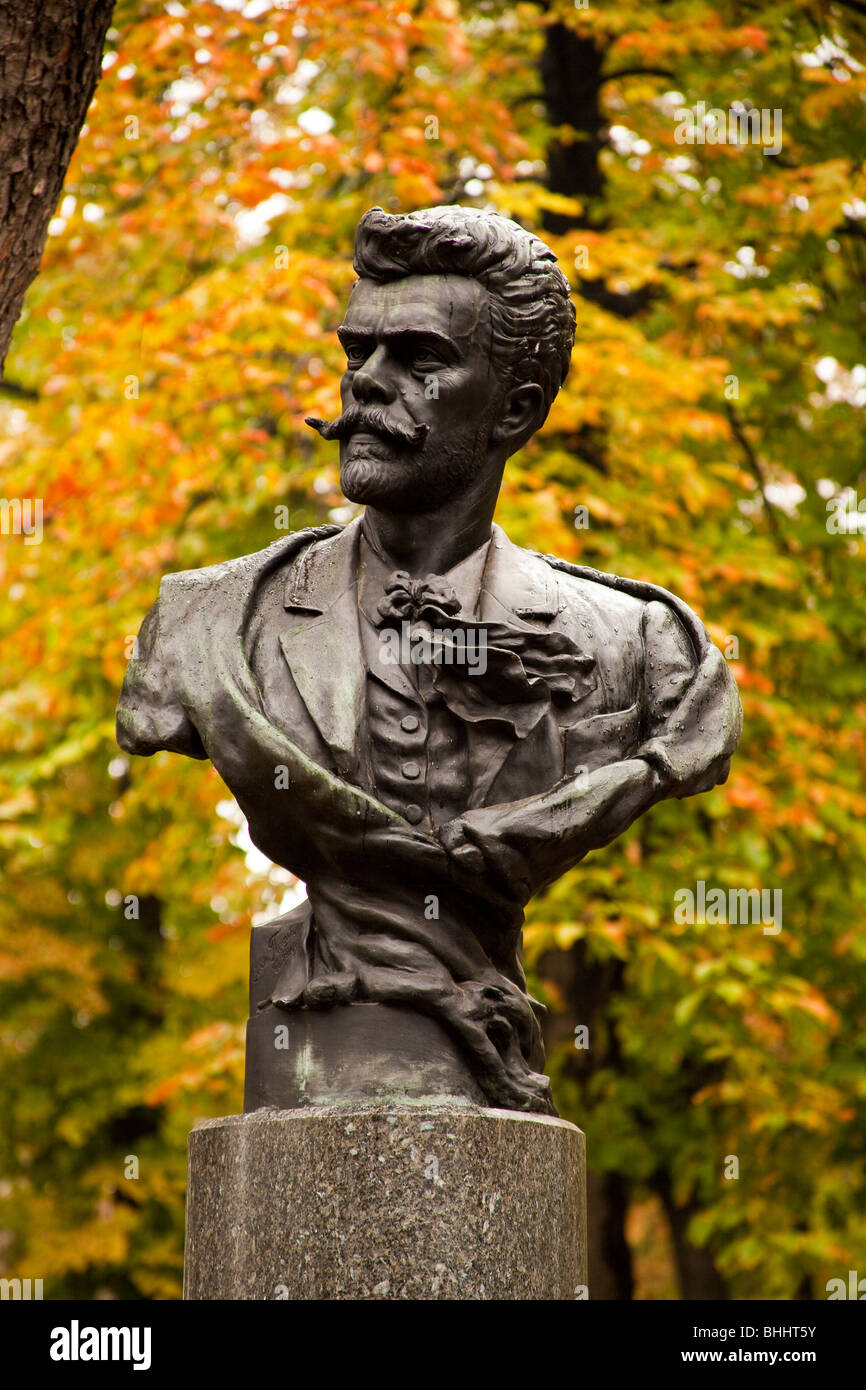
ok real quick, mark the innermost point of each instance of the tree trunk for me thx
(50, 61)
(611, 1274)
(571, 75)
(587, 986)
(570, 71)
(697, 1273)
(571, 80)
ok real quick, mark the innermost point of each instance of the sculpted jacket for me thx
(602, 696)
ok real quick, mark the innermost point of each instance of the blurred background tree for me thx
(709, 438)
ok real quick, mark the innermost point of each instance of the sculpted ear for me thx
(521, 414)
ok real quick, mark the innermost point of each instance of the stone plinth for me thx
(449, 1201)
(352, 1055)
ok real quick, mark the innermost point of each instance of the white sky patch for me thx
(315, 121)
(626, 142)
(15, 421)
(293, 89)
(57, 225)
(530, 168)
(677, 166)
(841, 386)
(183, 94)
(253, 224)
(830, 51)
(826, 368)
(786, 496)
(283, 178)
(260, 868)
(745, 265)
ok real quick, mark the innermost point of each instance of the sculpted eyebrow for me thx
(352, 335)
(422, 336)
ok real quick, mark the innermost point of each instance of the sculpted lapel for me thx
(323, 647)
(519, 589)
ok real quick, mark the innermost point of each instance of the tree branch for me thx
(758, 472)
(636, 72)
(23, 393)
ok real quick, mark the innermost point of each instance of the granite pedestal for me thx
(386, 1201)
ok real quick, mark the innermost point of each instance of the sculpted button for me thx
(414, 814)
(410, 723)
(411, 770)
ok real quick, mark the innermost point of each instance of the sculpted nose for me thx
(372, 381)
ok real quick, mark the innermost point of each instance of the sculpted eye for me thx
(427, 357)
(356, 353)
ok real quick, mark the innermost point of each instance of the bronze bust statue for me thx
(424, 722)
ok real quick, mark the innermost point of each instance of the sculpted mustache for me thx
(369, 418)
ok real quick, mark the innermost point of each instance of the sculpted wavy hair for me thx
(530, 305)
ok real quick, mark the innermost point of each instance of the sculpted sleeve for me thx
(693, 716)
(150, 716)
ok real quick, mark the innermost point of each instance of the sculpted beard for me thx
(404, 473)
(416, 481)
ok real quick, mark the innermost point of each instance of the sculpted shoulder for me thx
(230, 582)
(225, 572)
(636, 604)
(189, 643)
(599, 594)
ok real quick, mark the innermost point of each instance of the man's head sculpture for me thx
(458, 336)
(424, 803)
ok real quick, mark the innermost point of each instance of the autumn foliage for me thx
(709, 438)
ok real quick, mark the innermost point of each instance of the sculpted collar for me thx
(514, 583)
(529, 667)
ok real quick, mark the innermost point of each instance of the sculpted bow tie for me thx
(515, 674)
(408, 600)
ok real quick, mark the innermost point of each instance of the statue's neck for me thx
(427, 544)
(433, 542)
